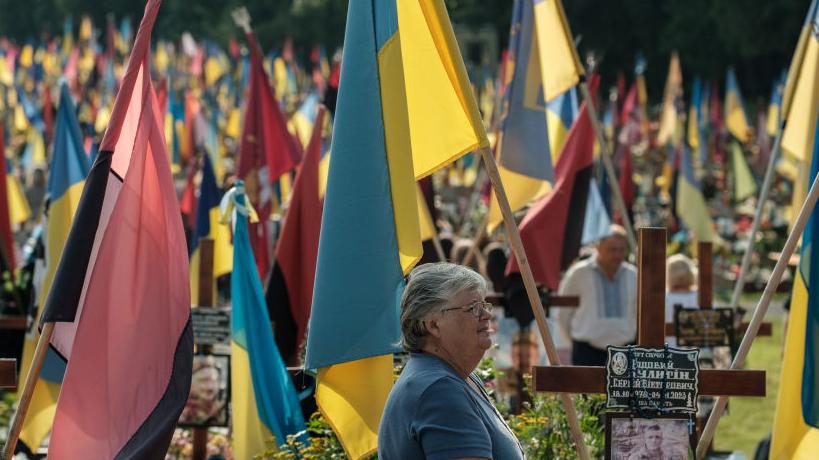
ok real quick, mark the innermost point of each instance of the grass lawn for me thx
(750, 419)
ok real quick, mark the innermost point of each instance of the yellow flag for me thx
(560, 65)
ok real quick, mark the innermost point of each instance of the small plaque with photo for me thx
(652, 379)
(704, 328)
(660, 438)
(207, 403)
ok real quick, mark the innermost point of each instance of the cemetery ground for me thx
(750, 419)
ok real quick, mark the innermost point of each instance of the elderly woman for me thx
(438, 408)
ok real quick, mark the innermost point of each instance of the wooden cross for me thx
(705, 292)
(650, 314)
(200, 435)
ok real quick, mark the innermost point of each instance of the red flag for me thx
(121, 297)
(552, 228)
(267, 151)
(6, 236)
(626, 182)
(290, 290)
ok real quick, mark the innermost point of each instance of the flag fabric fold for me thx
(404, 110)
(290, 286)
(797, 405)
(735, 119)
(207, 226)
(556, 220)
(66, 179)
(120, 296)
(263, 399)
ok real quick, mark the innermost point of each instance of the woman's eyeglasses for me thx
(476, 308)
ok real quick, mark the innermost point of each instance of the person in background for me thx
(607, 314)
(681, 282)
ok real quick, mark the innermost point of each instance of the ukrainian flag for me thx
(796, 420)
(524, 162)
(800, 102)
(301, 123)
(404, 105)
(693, 132)
(207, 226)
(67, 171)
(264, 402)
(744, 182)
(775, 105)
(735, 119)
(540, 95)
(671, 94)
(691, 206)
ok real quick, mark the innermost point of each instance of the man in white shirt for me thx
(607, 314)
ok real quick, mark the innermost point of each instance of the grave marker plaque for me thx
(652, 379)
(704, 328)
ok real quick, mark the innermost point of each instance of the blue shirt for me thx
(433, 413)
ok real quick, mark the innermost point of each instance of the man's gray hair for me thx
(430, 288)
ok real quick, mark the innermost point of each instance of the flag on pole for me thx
(553, 227)
(560, 65)
(290, 285)
(796, 418)
(263, 399)
(207, 226)
(672, 92)
(744, 182)
(6, 235)
(404, 104)
(524, 160)
(775, 105)
(691, 206)
(266, 152)
(66, 178)
(120, 297)
(735, 119)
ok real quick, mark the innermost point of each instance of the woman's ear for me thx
(432, 326)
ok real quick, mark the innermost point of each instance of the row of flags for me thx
(402, 61)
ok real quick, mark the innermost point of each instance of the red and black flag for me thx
(553, 227)
(120, 297)
(290, 287)
(266, 152)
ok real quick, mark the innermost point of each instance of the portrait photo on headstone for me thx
(207, 404)
(660, 438)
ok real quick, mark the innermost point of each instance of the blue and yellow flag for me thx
(691, 206)
(207, 226)
(561, 112)
(264, 401)
(800, 102)
(525, 161)
(693, 133)
(559, 62)
(775, 104)
(796, 419)
(735, 119)
(404, 105)
(66, 178)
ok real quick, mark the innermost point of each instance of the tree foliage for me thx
(757, 37)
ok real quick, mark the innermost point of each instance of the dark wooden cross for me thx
(650, 333)
(705, 292)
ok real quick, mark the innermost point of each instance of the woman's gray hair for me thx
(429, 289)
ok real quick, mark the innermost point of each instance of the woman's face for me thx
(463, 334)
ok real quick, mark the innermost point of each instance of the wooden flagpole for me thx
(28, 390)
(605, 156)
(477, 241)
(531, 290)
(761, 309)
